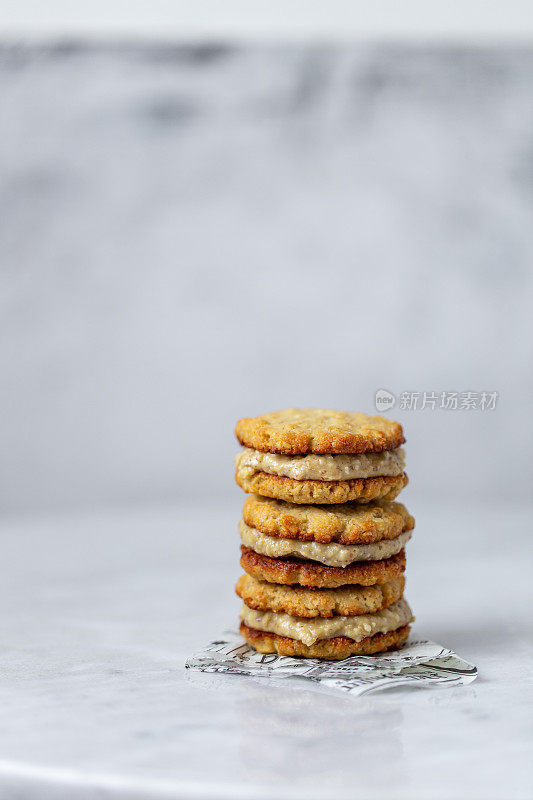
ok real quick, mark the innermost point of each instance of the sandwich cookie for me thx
(324, 546)
(331, 638)
(320, 456)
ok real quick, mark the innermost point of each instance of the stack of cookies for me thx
(322, 540)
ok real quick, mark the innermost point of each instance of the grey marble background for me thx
(193, 234)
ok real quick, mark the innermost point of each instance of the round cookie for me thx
(297, 431)
(347, 523)
(299, 601)
(363, 490)
(311, 573)
(332, 649)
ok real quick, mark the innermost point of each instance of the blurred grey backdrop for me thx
(193, 234)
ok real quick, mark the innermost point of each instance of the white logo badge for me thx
(384, 400)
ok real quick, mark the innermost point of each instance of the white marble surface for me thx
(99, 612)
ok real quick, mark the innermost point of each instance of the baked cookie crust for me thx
(299, 601)
(347, 523)
(332, 649)
(290, 571)
(297, 431)
(363, 490)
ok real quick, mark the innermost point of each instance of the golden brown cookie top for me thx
(311, 573)
(297, 431)
(346, 523)
(302, 601)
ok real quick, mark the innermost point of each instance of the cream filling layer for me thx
(332, 554)
(325, 468)
(309, 631)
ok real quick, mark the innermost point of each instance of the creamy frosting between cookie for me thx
(332, 554)
(309, 631)
(390, 463)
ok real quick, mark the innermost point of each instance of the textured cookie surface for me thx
(316, 430)
(332, 649)
(362, 490)
(299, 601)
(347, 523)
(311, 573)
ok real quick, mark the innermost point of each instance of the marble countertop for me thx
(99, 611)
